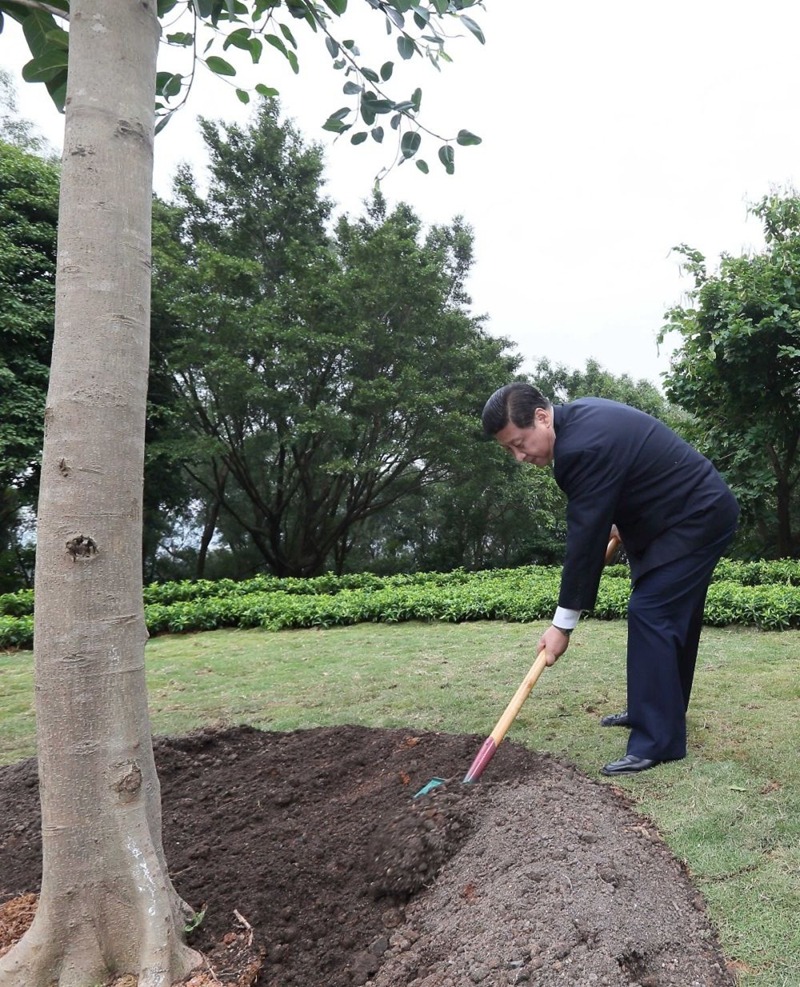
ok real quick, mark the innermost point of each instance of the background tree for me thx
(737, 370)
(323, 378)
(28, 217)
(562, 384)
(14, 129)
(489, 513)
(107, 904)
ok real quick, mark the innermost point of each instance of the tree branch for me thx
(44, 7)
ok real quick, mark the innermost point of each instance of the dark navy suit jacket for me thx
(618, 465)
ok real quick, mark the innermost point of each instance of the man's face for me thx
(534, 444)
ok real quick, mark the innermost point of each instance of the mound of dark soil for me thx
(314, 842)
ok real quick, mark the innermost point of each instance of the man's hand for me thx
(555, 642)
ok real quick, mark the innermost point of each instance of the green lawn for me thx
(730, 810)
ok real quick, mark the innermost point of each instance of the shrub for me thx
(763, 594)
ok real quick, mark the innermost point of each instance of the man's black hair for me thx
(515, 404)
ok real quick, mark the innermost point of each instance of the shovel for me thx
(493, 741)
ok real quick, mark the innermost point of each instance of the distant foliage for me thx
(761, 594)
(736, 370)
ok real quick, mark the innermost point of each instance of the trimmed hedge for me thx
(761, 594)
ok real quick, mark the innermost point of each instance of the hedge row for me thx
(766, 573)
(521, 595)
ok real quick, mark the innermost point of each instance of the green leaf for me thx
(266, 91)
(297, 8)
(168, 84)
(288, 35)
(256, 49)
(182, 38)
(219, 66)
(239, 39)
(359, 137)
(58, 38)
(57, 87)
(465, 138)
(335, 126)
(423, 166)
(36, 26)
(377, 134)
(447, 157)
(395, 17)
(276, 42)
(195, 921)
(262, 6)
(163, 121)
(416, 99)
(244, 39)
(386, 71)
(351, 88)
(243, 96)
(472, 26)
(409, 145)
(406, 47)
(332, 45)
(421, 16)
(376, 104)
(341, 113)
(370, 74)
(337, 6)
(45, 68)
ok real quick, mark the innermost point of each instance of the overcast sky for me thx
(611, 133)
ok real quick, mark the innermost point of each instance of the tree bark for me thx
(212, 516)
(107, 904)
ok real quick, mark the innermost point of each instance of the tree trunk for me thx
(107, 905)
(784, 540)
(212, 516)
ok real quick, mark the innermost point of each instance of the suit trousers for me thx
(665, 617)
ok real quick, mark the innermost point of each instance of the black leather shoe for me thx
(616, 720)
(628, 765)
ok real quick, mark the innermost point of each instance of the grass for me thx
(730, 810)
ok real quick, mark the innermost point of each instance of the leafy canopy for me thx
(28, 213)
(323, 377)
(737, 368)
(210, 29)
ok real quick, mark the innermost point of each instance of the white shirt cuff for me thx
(568, 619)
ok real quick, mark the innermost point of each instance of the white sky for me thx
(612, 131)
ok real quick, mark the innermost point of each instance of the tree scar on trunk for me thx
(128, 786)
(81, 547)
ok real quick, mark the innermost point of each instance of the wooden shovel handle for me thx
(519, 697)
(493, 741)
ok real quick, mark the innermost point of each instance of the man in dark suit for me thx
(621, 467)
